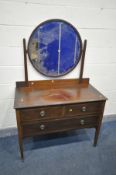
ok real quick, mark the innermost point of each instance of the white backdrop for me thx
(95, 20)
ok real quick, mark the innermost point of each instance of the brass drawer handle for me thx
(42, 127)
(70, 110)
(84, 109)
(82, 122)
(42, 113)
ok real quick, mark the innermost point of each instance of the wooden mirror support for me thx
(57, 105)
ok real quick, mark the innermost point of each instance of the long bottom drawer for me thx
(58, 125)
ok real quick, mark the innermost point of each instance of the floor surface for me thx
(69, 153)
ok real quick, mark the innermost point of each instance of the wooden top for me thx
(55, 92)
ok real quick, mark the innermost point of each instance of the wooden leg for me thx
(21, 148)
(20, 135)
(96, 135)
(98, 126)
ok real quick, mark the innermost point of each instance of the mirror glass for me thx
(54, 48)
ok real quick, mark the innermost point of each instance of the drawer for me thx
(40, 113)
(83, 108)
(58, 125)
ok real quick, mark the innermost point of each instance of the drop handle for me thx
(42, 113)
(82, 122)
(42, 127)
(84, 109)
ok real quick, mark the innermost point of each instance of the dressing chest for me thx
(56, 105)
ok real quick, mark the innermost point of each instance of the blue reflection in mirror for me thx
(54, 48)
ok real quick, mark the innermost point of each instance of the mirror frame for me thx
(79, 37)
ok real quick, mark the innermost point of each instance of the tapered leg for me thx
(96, 135)
(20, 137)
(99, 125)
(21, 147)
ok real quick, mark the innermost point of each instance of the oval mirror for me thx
(54, 48)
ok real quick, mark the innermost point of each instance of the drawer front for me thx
(58, 125)
(83, 108)
(40, 113)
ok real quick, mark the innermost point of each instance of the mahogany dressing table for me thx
(56, 105)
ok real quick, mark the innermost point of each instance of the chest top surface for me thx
(55, 92)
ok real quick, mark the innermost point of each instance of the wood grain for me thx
(39, 93)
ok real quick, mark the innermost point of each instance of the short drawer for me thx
(83, 108)
(40, 113)
(58, 125)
